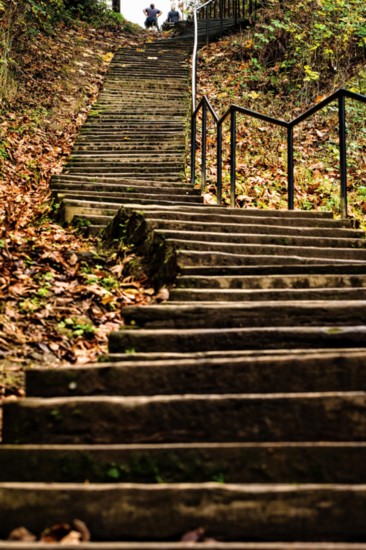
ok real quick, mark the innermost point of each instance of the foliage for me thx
(59, 295)
(292, 58)
(22, 21)
(305, 44)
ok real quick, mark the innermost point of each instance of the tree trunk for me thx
(117, 5)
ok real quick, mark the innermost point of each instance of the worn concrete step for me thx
(140, 171)
(318, 268)
(127, 174)
(311, 462)
(241, 227)
(205, 339)
(154, 187)
(246, 314)
(169, 356)
(285, 239)
(113, 157)
(135, 124)
(80, 179)
(279, 294)
(73, 207)
(250, 216)
(132, 192)
(230, 512)
(200, 258)
(187, 418)
(183, 545)
(130, 164)
(331, 371)
(339, 253)
(126, 198)
(300, 282)
(109, 148)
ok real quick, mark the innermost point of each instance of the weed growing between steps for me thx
(60, 297)
(294, 56)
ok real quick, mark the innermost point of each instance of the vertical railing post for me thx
(207, 27)
(290, 167)
(232, 157)
(193, 148)
(343, 152)
(235, 12)
(194, 59)
(204, 146)
(219, 163)
(221, 15)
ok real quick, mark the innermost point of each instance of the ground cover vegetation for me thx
(294, 55)
(60, 295)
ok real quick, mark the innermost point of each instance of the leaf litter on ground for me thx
(60, 294)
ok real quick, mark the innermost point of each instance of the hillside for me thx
(293, 57)
(60, 297)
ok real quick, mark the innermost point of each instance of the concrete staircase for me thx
(239, 405)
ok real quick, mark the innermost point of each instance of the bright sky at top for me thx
(132, 9)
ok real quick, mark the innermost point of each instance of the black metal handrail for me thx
(205, 106)
(239, 10)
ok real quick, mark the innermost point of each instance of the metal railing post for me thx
(204, 146)
(219, 163)
(207, 27)
(193, 148)
(232, 157)
(221, 15)
(290, 167)
(343, 152)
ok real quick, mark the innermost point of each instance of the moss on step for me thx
(154, 255)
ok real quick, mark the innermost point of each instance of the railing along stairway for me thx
(232, 414)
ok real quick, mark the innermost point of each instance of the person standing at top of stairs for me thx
(152, 15)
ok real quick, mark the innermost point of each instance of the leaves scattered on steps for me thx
(59, 298)
(62, 533)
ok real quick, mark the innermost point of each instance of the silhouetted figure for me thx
(152, 15)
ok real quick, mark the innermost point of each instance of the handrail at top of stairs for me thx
(216, 9)
(206, 108)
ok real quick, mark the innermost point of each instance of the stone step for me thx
(105, 193)
(137, 170)
(210, 339)
(217, 354)
(283, 512)
(201, 258)
(224, 215)
(325, 371)
(74, 207)
(315, 416)
(125, 198)
(87, 149)
(241, 227)
(273, 270)
(269, 250)
(274, 282)
(246, 314)
(153, 187)
(83, 207)
(281, 294)
(182, 546)
(116, 158)
(128, 163)
(127, 174)
(80, 179)
(261, 239)
(309, 462)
